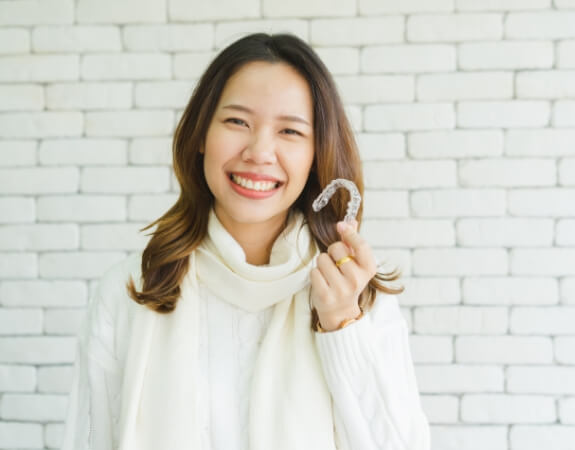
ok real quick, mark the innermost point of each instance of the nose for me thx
(260, 149)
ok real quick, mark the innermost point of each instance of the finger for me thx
(341, 286)
(338, 250)
(361, 248)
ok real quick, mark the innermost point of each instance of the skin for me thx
(259, 141)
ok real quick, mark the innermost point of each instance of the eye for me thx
(292, 131)
(235, 120)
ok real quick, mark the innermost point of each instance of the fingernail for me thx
(342, 226)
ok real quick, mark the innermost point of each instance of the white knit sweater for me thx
(367, 365)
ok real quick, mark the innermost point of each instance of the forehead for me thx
(265, 87)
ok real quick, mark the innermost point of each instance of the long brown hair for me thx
(183, 227)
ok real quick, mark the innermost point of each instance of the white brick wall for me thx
(465, 116)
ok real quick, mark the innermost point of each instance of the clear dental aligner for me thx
(354, 197)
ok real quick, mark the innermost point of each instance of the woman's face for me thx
(259, 146)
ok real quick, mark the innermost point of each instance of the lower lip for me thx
(252, 194)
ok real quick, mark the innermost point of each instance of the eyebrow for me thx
(283, 117)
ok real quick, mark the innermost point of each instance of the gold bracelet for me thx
(344, 323)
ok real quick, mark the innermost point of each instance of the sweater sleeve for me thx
(369, 371)
(92, 409)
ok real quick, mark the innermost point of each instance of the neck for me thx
(256, 239)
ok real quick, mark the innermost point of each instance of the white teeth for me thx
(254, 185)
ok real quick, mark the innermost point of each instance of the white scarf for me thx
(290, 404)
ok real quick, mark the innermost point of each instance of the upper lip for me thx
(256, 176)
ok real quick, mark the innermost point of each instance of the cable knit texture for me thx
(367, 367)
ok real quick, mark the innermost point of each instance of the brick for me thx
(501, 5)
(409, 232)
(567, 410)
(454, 27)
(53, 434)
(458, 144)
(43, 293)
(440, 408)
(190, 66)
(503, 172)
(553, 320)
(545, 142)
(18, 265)
(34, 12)
(300, 8)
(41, 124)
(14, 40)
(127, 11)
(565, 233)
(567, 171)
(505, 55)
(36, 180)
(541, 202)
(76, 39)
(409, 174)
(87, 96)
(510, 114)
(149, 207)
(381, 146)
(113, 237)
(129, 123)
(569, 4)
(21, 435)
(374, 7)
(551, 261)
(540, 25)
(72, 265)
(167, 94)
(448, 320)
(17, 209)
(465, 86)
(33, 407)
(39, 237)
(458, 202)
(17, 153)
(565, 54)
(39, 68)
(376, 89)
(418, 116)
(340, 60)
(546, 84)
(565, 350)
(383, 204)
(538, 436)
(357, 31)
(449, 378)
(460, 262)
(152, 151)
(229, 31)
(197, 10)
(510, 291)
(81, 208)
(462, 437)
(169, 38)
(411, 58)
(84, 152)
(504, 350)
(499, 408)
(14, 321)
(431, 291)
(567, 286)
(55, 380)
(63, 321)
(563, 114)
(17, 378)
(17, 97)
(431, 349)
(505, 232)
(37, 350)
(125, 179)
(126, 66)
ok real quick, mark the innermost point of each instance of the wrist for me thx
(333, 322)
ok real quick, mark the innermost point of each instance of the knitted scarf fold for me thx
(290, 404)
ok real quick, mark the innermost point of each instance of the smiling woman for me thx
(250, 321)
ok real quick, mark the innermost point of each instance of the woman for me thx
(249, 320)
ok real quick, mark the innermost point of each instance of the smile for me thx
(260, 186)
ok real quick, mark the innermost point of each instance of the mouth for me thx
(264, 185)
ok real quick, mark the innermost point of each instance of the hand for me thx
(335, 290)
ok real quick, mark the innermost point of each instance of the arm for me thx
(92, 403)
(369, 371)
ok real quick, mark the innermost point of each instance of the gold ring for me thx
(343, 260)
